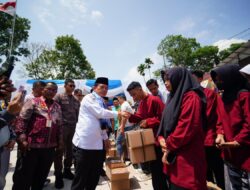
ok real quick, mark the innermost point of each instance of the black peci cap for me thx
(102, 80)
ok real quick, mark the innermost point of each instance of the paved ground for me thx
(104, 184)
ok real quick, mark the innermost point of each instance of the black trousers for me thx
(175, 187)
(159, 179)
(32, 169)
(215, 166)
(88, 167)
(67, 151)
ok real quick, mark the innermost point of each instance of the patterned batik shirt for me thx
(40, 124)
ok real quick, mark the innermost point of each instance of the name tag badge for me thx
(49, 123)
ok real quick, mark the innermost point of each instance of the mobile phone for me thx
(22, 91)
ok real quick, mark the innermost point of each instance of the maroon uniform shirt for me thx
(187, 141)
(150, 108)
(211, 113)
(235, 125)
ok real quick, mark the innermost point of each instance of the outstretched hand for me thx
(125, 114)
(6, 87)
(219, 140)
(16, 104)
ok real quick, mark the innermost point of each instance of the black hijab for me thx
(182, 81)
(232, 81)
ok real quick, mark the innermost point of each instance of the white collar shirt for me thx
(88, 134)
(162, 96)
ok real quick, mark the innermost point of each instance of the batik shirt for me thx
(40, 124)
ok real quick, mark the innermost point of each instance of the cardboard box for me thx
(134, 139)
(117, 173)
(120, 184)
(139, 138)
(112, 144)
(149, 153)
(141, 145)
(136, 155)
(147, 137)
(114, 162)
(143, 154)
(112, 152)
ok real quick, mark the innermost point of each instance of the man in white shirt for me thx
(125, 124)
(153, 87)
(90, 133)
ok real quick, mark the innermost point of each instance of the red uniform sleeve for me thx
(156, 109)
(136, 118)
(188, 123)
(243, 136)
(151, 110)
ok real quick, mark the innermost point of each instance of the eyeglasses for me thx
(72, 86)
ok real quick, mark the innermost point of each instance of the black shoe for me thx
(59, 184)
(47, 182)
(68, 174)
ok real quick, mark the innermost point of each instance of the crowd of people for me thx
(201, 134)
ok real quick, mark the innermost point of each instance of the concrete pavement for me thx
(136, 181)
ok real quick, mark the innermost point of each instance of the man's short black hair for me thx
(67, 81)
(198, 73)
(133, 85)
(38, 83)
(115, 98)
(123, 97)
(151, 81)
(76, 91)
(53, 83)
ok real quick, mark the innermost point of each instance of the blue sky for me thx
(117, 35)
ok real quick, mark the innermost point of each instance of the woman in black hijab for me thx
(234, 117)
(181, 131)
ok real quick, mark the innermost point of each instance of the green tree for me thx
(141, 70)
(34, 63)
(178, 50)
(22, 27)
(66, 60)
(205, 58)
(226, 52)
(157, 73)
(42, 67)
(148, 63)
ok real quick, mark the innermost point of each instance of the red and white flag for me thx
(8, 7)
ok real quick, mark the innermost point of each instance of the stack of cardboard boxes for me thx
(140, 145)
(112, 151)
(118, 174)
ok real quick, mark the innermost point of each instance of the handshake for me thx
(124, 114)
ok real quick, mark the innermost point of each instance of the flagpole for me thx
(13, 31)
